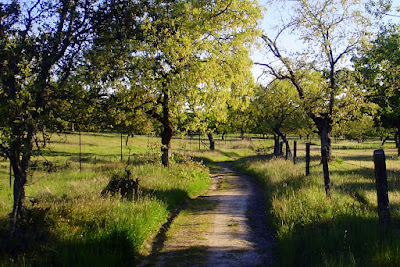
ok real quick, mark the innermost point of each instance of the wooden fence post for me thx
(308, 158)
(287, 150)
(10, 175)
(148, 145)
(199, 141)
(121, 147)
(80, 151)
(190, 140)
(294, 151)
(382, 187)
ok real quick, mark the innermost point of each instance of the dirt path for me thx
(225, 227)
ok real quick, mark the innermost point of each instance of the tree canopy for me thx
(330, 31)
(189, 57)
(379, 68)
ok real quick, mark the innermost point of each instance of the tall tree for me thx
(276, 109)
(40, 43)
(190, 56)
(328, 32)
(379, 67)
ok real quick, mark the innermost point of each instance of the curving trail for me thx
(225, 227)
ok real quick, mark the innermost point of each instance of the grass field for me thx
(71, 224)
(312, 230)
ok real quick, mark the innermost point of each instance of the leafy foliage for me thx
(379, 69)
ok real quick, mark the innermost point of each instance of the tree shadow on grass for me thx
(348, 239)
(342, 241)
(364, 158)
(29, 236)
(34, 245)
(114, 248)
(172, 197)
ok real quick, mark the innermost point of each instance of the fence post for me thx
(294, 151)
(148, 145)
(10, 175)
(308, 158)
(199, 141)
(80, 151)
(121, 147)
(382, 187)
(287, 150)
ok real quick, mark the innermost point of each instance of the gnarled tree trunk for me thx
(324, 126)
(276, 145)
(166, 137)
(167, 132)
(284, 140)
(212, 142)
(241, 133)
(20, 164)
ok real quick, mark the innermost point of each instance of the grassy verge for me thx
(312, 230)
(70, 224)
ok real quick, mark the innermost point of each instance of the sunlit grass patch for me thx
(72, 224)
(343, 230)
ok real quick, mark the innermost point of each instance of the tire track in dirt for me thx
(225, 227)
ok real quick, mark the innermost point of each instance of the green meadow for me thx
(343, 230)
(70, 223)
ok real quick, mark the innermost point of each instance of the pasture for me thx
(71, 223)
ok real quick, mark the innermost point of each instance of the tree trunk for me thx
(276, 145)
(326, 143)
(384, 140)
(20, 167)
(284, 140)
(324, 126)
(241, 133)
(212, 142)
(166, 137)
(167, 132)
(325, 167)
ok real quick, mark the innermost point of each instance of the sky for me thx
(270, 18)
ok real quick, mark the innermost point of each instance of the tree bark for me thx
(212, 142)
(324, 126)
(276, 145)
(167, 132)
(20, 165)
(284, 140)
(325, 167)
(166, 137)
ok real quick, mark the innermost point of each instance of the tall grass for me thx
(70, 223)
(312, 230)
